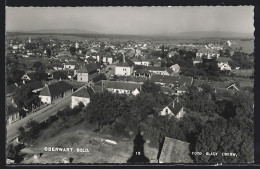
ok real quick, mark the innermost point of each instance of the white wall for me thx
(46, 99)
(82, 77)
(76, 100)
(123, 71)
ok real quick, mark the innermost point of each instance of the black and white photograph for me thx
(129, 85)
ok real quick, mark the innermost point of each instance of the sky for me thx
(132, 20)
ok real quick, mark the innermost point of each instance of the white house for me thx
(82, 95)
(209, 53)
(173, 109)
(55, 91)
(160, 70)
(122, 87)
(86, 71)
(175, 68)
(123, 69)
(138, 61)
(223, 63)
(224, 66)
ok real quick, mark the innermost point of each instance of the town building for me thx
(55, 91)
(87, 72)
(123, 69)
(208, 53)
(160, 70)
(83, 95)
(174, 109)
(122, 87)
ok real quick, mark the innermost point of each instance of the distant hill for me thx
(60, 31)
(179, 35)
(209, 34)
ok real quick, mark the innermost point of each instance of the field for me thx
(80, 137)
(247, 46)
(243, 72)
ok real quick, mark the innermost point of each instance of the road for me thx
(39, 116)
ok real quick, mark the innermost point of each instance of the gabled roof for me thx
(177, 107)
(177, 81)
(138, 79)
(85, 92)
(183, 88)
(142, 72)
(175, 151)
(56, 89)
(35, 85)
(232, 85)
(123, 64)
(88, 68)
(121, 85)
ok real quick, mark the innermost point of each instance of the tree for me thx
(72, 50)
(13, 152)
(150, 87)
(59, 75)
(235, 135)
(24, 98)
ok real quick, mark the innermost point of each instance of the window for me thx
(80, 78)
(46, 99)
(166, 111)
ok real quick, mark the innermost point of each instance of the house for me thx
(175, 151)
(173, 109)
(172, 81)
(160, 70)
(122, 87)
(175, 68)
(138, 61)
(182, 89)
(142, 73)
(87, 72)
(12, 114)
(27, 77)
(224, 66)
(208, 53)
(223, 63)
(171, 53)
(55, 91)
(123, 69)
(108, 59)
(70, 65)
(83, 95)
(233, 87)
(35, 86)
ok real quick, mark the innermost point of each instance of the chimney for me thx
(23, 82)
(173, 104)
(60, 79)
(46, 85)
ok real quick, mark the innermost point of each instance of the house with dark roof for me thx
(174, 108)
(55, 91)
(83, 95)
(175, 151)
(86, 72)
(142, 73)
(223, 63)
(173, 82)
(36, 86)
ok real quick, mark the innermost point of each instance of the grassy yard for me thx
(82, 136)
(243, 72)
